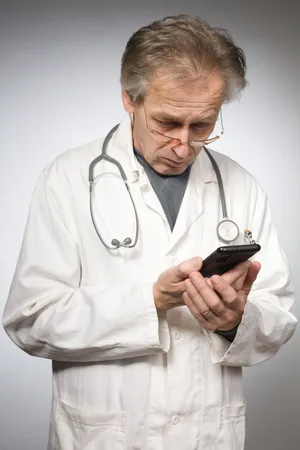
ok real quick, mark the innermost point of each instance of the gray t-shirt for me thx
(169, 189)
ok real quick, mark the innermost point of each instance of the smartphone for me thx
(226, 258)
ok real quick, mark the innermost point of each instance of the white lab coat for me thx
(122, 377)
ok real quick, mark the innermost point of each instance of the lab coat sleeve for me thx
(267, 322)
(49, 314)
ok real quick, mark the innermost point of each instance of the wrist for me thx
(233, 325)
(160, 300)
(156, 298)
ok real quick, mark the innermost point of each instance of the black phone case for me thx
(226, 258)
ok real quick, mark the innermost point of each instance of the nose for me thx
(182, 151)
(184, 134)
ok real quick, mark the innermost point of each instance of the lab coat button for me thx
(177, 335)
(175, 420)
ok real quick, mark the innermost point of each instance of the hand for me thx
(169, 287)
(218, 303)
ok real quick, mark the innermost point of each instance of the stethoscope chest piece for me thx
(227, 231)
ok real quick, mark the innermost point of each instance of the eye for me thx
(201, 126)
(166, 124)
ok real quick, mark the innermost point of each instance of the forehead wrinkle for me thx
(189, 96)
(207, 97)
(203, 110)
(189, 99)
(197, 107)
(190, 105)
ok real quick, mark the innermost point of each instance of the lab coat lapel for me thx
(192, 205)
(121, 149)
(193, 201)
(150, 198)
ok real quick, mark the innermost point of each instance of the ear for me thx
(128, 104)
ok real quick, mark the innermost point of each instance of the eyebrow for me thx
(169, 117)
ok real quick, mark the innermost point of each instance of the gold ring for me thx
(206, 313)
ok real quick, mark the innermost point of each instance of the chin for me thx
(170, 170)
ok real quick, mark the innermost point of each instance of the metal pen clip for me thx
(248, 236)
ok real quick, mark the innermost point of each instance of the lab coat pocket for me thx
(232, 427)
(76, 429)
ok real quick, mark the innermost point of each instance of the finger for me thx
(238, 271)
(192, 307)
(237, 285)
(177, 289)
(204, 297)
(227, 293)
(198, 301)
(250, 278)
(184, 269)
(196, 313)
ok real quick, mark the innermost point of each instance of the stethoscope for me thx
(227, 230)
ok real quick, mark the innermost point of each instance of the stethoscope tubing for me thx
(127, 242)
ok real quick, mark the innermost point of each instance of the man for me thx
(148, 354)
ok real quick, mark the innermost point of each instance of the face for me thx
(186, 112)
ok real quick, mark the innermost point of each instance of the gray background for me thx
(59, 88)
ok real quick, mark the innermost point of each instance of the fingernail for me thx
(216, 279)
(188, 283)
(193, 276)
(197, 262)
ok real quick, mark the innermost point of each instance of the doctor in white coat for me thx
(147, 354)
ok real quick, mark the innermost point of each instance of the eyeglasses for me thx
(163, 138)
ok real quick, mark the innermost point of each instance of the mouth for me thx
(172, 163)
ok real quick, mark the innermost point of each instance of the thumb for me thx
(186, 267)
(252, 274)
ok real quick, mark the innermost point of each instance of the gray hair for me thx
(188, 47)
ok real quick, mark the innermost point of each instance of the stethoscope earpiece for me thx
(117, 244)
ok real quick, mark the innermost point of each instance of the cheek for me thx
(162, 151)
(158, 151)
(150, 149)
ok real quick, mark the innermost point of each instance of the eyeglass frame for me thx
(190, 143)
